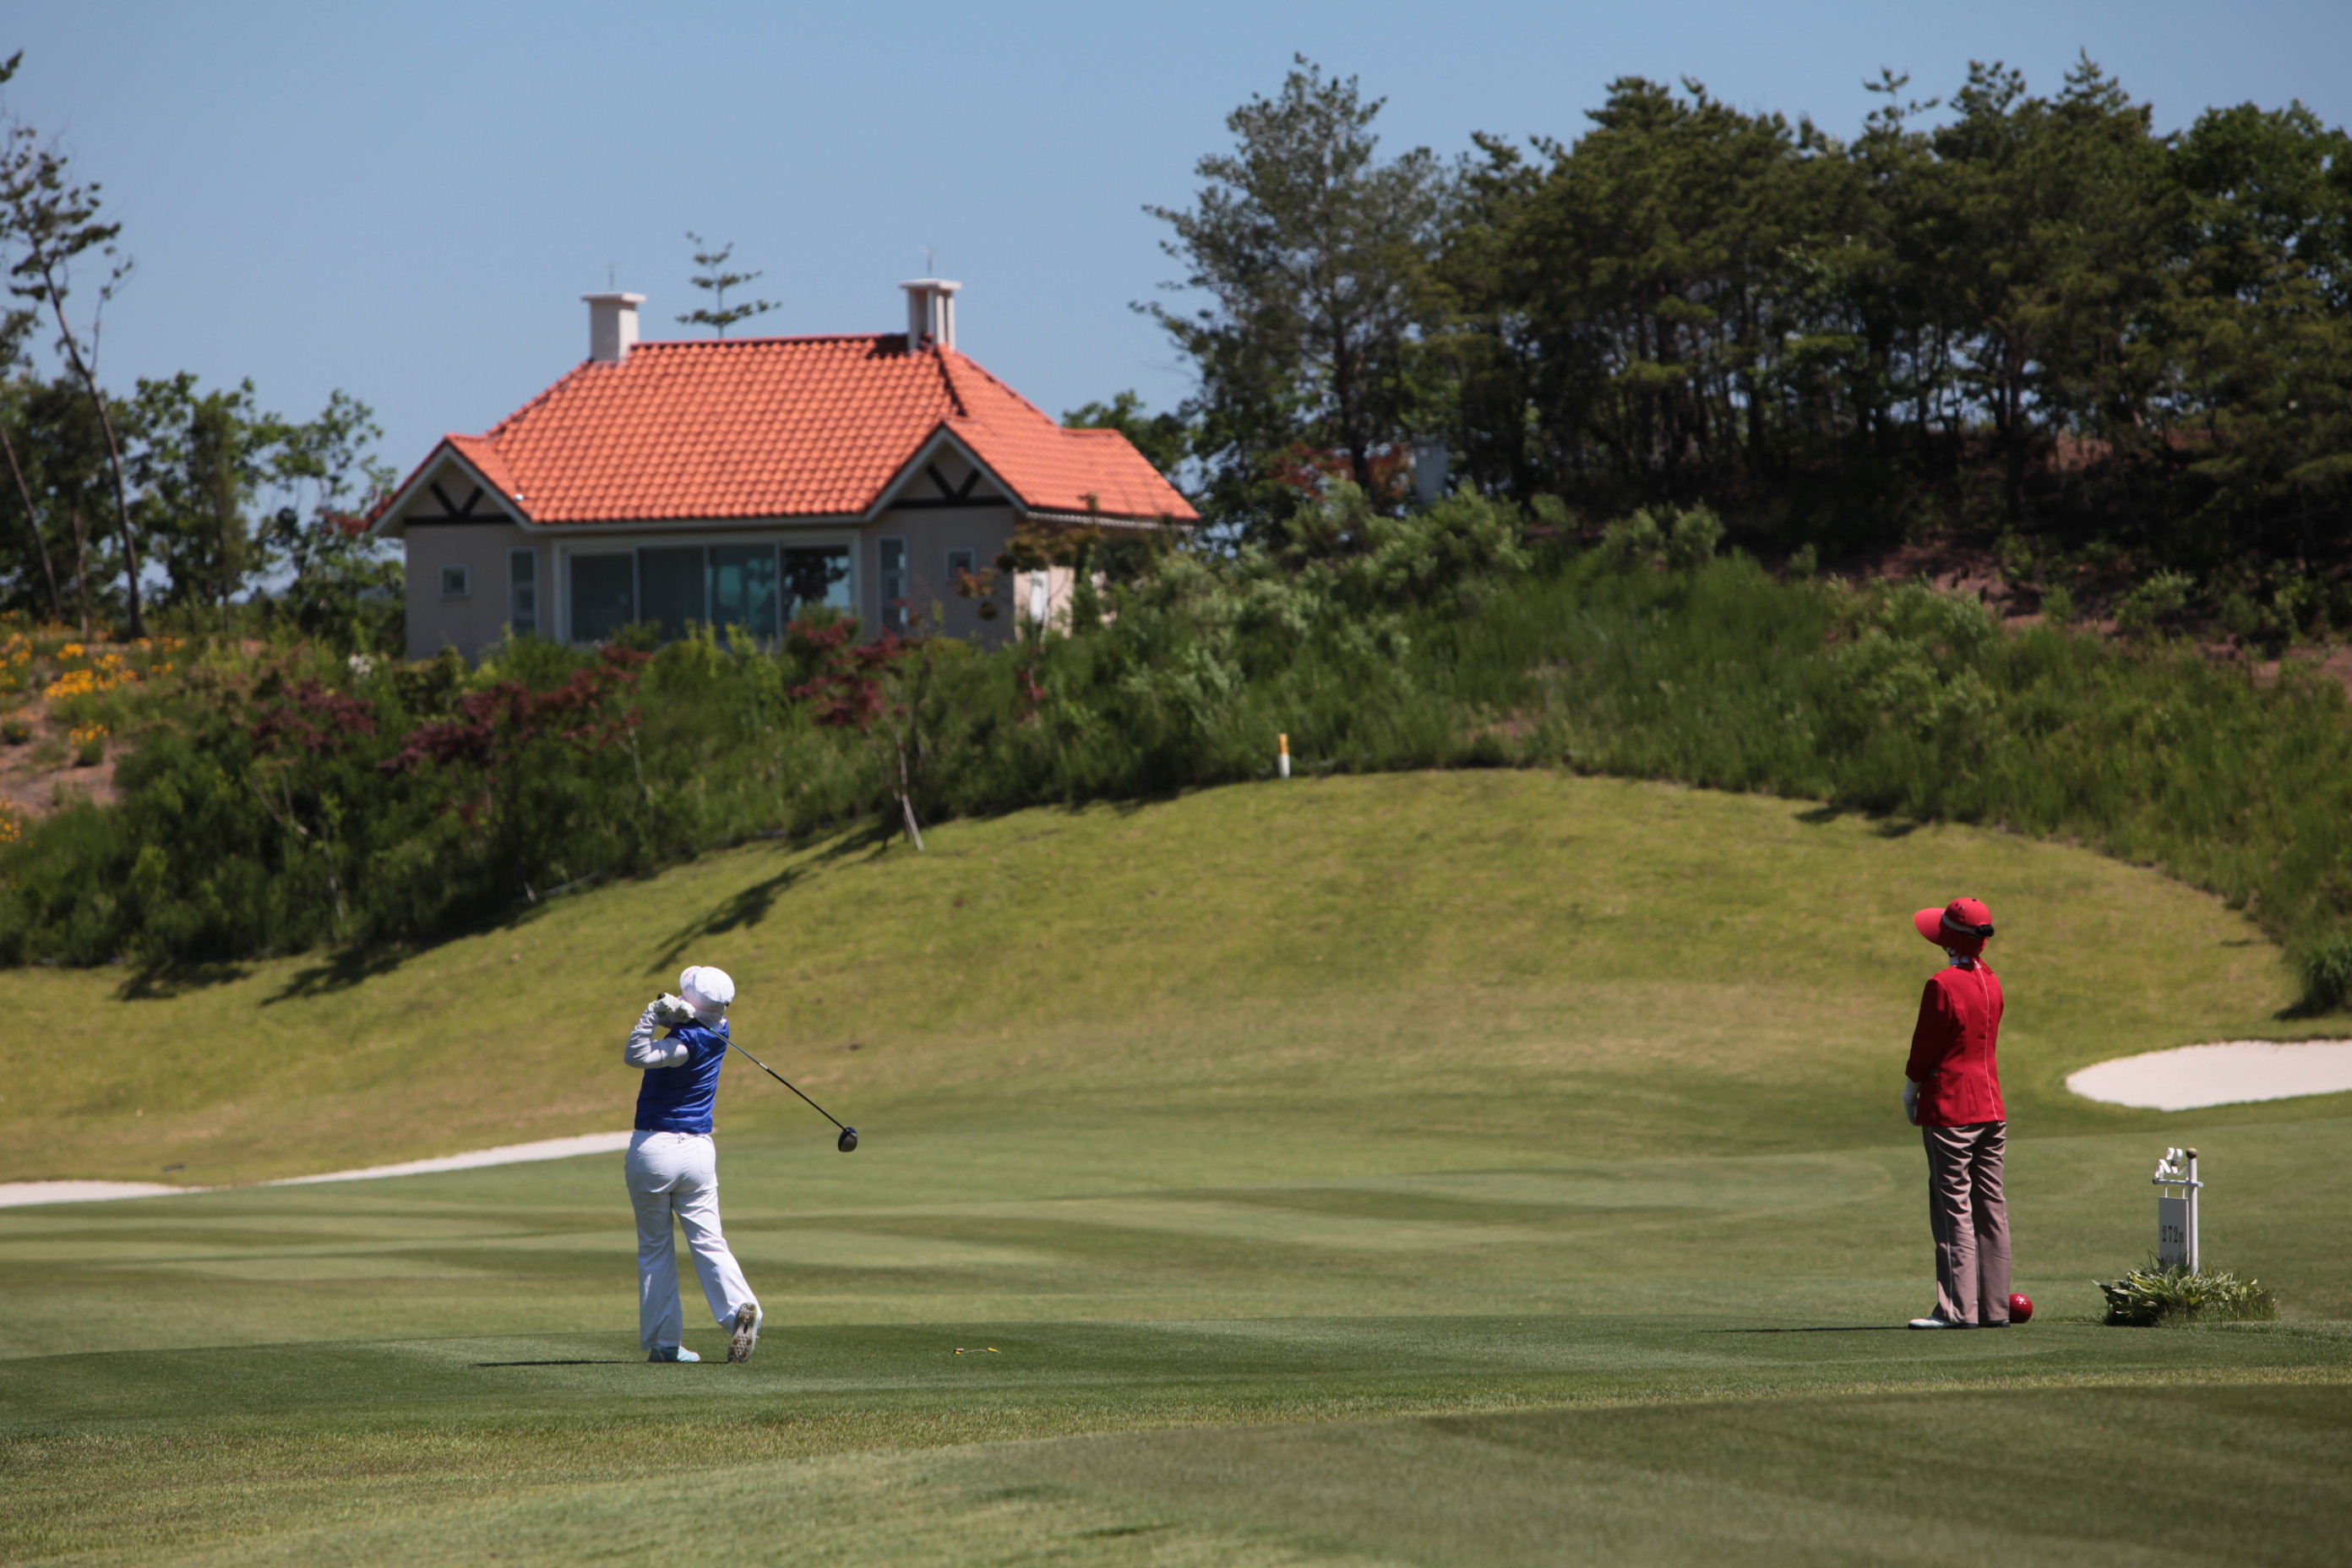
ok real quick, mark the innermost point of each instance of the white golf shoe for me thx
(746, 1333)
(1932, 1321)
(672, 1353)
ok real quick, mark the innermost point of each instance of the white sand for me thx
(15, 1195)
(504, 1154)
(2227, 1073)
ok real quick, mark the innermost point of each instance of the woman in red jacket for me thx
(1954, 1097)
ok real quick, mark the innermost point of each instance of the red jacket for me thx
(1952, 1048)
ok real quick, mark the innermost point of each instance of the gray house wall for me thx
(475, 621)
(477, 618)
(929, 534)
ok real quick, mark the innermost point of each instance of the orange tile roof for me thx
(746, 427)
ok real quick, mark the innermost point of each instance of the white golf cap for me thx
(707, 989)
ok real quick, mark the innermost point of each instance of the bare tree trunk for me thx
(907, 801)
(82, 571)
(2013, 476)
(81, 367)
(33, 525)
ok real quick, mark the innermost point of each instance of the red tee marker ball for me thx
(2020, 1308)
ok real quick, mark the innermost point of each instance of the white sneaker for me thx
(746, 1333)
(672, 1353)
(1932, 1321)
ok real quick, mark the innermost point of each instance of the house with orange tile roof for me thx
(736, 482)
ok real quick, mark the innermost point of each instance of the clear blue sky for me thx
(406, 201)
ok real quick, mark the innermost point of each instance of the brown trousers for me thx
(1971, 1221)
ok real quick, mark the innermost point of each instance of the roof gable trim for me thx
(916, 484)
(427, 482)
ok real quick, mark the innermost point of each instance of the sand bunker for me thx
(504, 1154)
(2227, 1073)
(16, 1195)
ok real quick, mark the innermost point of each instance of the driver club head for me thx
(847, 1141)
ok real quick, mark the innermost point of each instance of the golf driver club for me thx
(847, 1142)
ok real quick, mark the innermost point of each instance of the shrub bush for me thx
(2324, 965)
(270, 802)
(2151, 1297)
(2158, 599)
(1692, 540)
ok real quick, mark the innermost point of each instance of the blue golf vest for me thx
(679, 1099)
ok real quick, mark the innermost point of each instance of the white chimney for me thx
(612, 325)
(930, 313)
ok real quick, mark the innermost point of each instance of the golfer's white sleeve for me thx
(644, 1051)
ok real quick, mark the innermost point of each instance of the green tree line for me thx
(2028, 315)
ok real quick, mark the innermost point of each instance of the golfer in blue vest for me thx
(673, 1167)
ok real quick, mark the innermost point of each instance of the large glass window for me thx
(815, 575)
(896, 589)
(523, 591)
(670, 581)
(743, 589)
(756, 586)
(603, 594)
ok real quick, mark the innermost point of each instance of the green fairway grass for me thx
(1477, 1168)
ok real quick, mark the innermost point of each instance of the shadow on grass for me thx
(574, 1362)
(1826, 1329)
(749, 906)
(166, 981)
(341, 971)
(1883, 823)
(344, 968)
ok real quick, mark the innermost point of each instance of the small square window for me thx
(960, 560)
(457, 582)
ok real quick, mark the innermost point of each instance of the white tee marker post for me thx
(2176, 1209)
(1282, 760)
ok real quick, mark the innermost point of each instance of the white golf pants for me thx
(677, 1175)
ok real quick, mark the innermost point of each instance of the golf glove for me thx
(667, 1010)
(1911, 1102)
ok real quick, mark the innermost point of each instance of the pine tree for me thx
(715, 280)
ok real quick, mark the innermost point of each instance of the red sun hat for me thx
(1963, 923)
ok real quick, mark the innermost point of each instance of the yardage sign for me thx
(2176, 1209)
(2172, 1232)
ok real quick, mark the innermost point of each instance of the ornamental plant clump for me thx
(527, 751)
(2147, 1298)
(877, 690)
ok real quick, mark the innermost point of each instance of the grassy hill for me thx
(1474, 1167)
(1533, 962)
